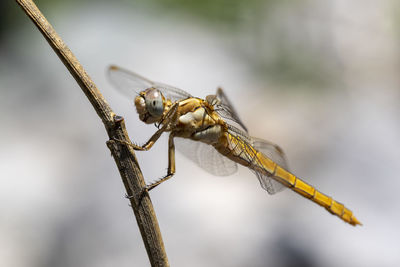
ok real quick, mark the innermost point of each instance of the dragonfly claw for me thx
(142, 194)
(128, 197)
(122, 141)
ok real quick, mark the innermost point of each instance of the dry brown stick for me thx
(123, 155)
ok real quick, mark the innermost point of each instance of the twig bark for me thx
(123, 155)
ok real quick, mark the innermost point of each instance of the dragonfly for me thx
(210, 133)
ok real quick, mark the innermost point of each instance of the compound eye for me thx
(154, 102)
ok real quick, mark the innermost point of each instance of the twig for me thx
(123, 155)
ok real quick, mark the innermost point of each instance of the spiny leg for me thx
(153, 139)
(171, 164)
(147, 146)
(170, 172)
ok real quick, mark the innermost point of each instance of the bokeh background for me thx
(319, 78)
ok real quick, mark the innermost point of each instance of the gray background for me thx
(319, 78)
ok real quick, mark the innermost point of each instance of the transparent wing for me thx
(225, 109)
(275, 153)
(270, 150)
(206, 156)
(130, 84)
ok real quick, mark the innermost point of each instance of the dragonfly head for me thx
(150, 105)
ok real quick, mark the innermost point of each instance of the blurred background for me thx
(319, 78)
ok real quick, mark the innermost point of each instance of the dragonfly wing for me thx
(172, 93)
(130, 84)
(270, 150)
(275, 153)
(206, 156)
(225, 109)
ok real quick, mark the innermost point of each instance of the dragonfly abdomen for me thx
(308, 191)
(247, 155)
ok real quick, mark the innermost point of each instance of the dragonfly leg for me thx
(171, 164)
(167, 119)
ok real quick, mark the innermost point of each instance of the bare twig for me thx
(123, 155)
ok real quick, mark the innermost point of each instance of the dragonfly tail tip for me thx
(355, 222)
